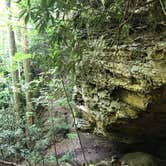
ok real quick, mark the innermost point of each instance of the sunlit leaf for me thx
(20, 57)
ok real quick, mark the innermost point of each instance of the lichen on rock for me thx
(123, 96)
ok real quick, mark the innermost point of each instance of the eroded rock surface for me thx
(121, 92)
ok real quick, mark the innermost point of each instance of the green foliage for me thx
(58, 124)
(30, 145)
(60, 34)
(4, 97)
(65, 25)
(72, 135)
(125, 31)
(66, 157)
(62, 101)
(20, 57)
(29, 142)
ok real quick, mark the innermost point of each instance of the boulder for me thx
(139, 159)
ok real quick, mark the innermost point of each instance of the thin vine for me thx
(74, 119)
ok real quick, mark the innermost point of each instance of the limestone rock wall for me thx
(121, 92)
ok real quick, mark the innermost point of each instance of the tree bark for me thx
(27, 75)
(15, 73)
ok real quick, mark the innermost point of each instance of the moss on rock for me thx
(139, 159)
(122, 96)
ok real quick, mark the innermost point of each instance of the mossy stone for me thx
(139, 159)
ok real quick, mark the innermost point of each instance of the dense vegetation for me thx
(44, 42)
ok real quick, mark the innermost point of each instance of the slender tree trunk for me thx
(54, 136)
(15, 73)
(27, 75)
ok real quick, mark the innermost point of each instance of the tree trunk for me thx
(27, 75)
(15, 73)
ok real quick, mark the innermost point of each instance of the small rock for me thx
(82, 124)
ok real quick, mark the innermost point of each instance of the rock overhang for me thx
(123, 92)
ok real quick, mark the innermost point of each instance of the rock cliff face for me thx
(121, 91)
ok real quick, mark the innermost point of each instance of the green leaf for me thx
(51, 3)
(50, 97)
(22, 13)
(27, 18)
(29, 114)
(103, 2)
(43, 3)
(72, 135)
(28, 2)
(20, 57)
(18, 1)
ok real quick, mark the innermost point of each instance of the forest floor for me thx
(95, 148)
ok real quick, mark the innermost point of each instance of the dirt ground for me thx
(95, 148)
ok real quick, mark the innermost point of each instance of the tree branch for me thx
(7, 163)
(162, 6)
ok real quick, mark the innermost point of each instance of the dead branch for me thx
(7, 163)
(163, 8)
